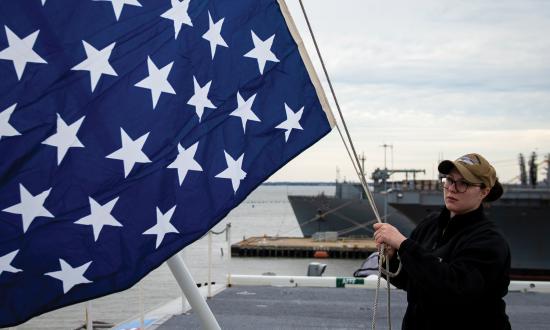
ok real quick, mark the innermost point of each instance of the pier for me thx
(299, 247)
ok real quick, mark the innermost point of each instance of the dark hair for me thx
(494, 193)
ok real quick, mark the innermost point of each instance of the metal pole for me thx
(228, 239)
(209, 264)
(141, 309)
(385, 146)
(189, 288)
(391, 146)
(89, 321)
(183, 254)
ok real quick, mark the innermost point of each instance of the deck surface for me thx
(261, 307)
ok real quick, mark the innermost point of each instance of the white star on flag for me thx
(97, 62)
(244, 110)
(5, 128)
(163, 226)
(65, 137)
(70, 276)
(100, 216)
(5, 263)
(200, 99)
(213, 35)
(233, 171)
(262, 51)
(20, 51)
(157, 81)
(130, 152)
(43, 2)
(292, 121)
(185, 161)
(118, 4)
(30, 206)
(178, 14)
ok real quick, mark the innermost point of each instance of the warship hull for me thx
(347, 216)
(522, 215)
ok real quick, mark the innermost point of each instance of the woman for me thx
(455, 265)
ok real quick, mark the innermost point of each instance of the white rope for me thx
(355, 162)
(354, 158)
(388, 295)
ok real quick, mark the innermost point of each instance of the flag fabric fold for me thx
(129, 129)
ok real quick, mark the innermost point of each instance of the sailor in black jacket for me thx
(455, 264)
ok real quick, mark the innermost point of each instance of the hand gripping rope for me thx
(355, 162)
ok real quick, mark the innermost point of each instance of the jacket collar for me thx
(459, 221)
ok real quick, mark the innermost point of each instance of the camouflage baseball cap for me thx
(475, 169)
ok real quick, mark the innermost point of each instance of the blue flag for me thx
(129, 128)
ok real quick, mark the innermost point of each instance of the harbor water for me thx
(266, 211)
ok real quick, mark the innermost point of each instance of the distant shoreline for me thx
(299, 183)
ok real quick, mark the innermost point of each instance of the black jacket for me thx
(455, 272)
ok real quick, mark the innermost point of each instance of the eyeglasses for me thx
(460, 185)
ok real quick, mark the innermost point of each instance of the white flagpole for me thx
(228, 239)
(141, 309)
(89, 321)
(209, 264)
(183, 254)
(189, 288)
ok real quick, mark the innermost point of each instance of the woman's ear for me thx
(484, 192)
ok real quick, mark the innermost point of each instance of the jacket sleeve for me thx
(400, 280)
(476, 262)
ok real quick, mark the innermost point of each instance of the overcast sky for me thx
(432, 78)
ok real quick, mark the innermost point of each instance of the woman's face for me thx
(462, 202)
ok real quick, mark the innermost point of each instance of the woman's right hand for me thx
(389, 236)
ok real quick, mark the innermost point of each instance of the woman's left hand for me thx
(388, 234)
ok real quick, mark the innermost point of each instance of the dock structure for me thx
(299, 247)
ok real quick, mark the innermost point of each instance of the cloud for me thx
(431, 77)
